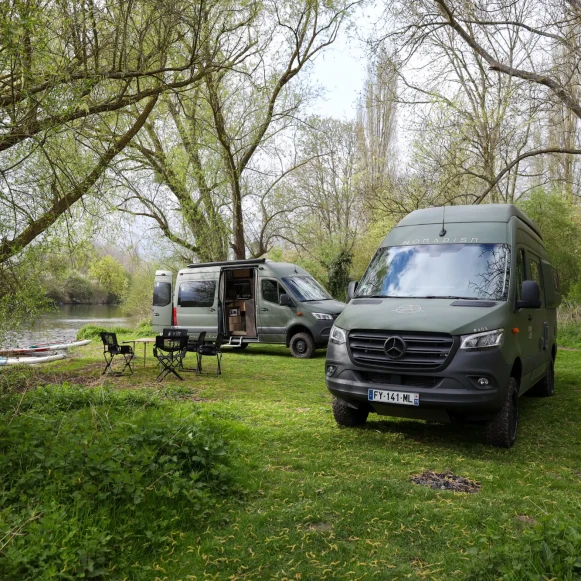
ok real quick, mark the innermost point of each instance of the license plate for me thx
(398, 397)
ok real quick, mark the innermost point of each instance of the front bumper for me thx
(452, 392)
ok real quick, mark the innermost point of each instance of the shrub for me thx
(551, 550)
(93, 480)
(92, 331)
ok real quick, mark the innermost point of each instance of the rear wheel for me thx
(545, 387)
(347, 416)
(243, 346)
(302, 346)
(502, 428)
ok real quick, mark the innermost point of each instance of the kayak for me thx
(30, 360)
(41, 347)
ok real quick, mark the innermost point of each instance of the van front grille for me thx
(409, 349)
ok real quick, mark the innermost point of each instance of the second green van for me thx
(247, 301)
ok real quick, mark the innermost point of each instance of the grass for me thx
(319, 502)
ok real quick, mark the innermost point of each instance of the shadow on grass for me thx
(447, 436)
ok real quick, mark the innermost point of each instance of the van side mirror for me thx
(531, 296)
(351, 289)
(285, 301)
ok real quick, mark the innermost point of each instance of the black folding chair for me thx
(111, 348)
(212, 349)
(170, 351)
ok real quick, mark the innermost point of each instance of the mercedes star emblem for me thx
(394, 347)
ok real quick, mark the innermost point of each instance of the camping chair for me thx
(170, 351)
(111, 348)
(211, 349)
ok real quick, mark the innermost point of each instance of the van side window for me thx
(161, 294)
(520, 272)
(535, 273)
(270, 291)
(197, 293)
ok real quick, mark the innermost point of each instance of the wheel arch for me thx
(516, 370)
(294, 329)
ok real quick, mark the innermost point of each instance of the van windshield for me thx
(306, 288)
(467, 271)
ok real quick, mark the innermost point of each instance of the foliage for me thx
(338, 274)
(93, 480)
(111, 275)
(550, 550)
(560, 225)
(137, 300)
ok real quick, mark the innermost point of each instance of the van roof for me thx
(278, 268)
(467, 214)
(249, 262)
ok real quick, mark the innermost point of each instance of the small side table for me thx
(145, 341)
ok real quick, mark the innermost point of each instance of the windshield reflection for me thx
(471, 271)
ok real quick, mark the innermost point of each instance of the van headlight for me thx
(337, 336)
(322, 316)
(482, 340)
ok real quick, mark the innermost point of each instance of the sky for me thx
(341, 69)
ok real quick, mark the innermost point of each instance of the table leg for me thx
(144, 353)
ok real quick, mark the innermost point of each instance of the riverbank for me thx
(315, 501)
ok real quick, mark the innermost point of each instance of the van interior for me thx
(240, 302)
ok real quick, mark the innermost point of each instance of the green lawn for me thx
(320, 502)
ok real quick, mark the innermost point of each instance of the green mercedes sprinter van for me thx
(454, 319)
(247, 301)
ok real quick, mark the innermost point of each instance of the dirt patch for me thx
(529, 520)
(320, 526)
(445, 481)
(567, 349)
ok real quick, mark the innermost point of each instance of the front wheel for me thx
(347, 416)
(502, 428)
(302, 346)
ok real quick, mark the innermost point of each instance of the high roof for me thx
(466, 214)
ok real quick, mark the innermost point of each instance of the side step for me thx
(234, 341)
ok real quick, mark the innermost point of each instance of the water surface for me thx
(63, 323)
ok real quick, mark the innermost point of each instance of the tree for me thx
(215, 167)
(77, 83)
(111, 275)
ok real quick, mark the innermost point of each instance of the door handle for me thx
(212, 310)
(156, 314)
(530, 317)
(263, 309)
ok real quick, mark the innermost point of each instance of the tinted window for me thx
(161, 294)
(306, 288)
(473, 271)
(535, 272)
(199, 293)
(270, 291)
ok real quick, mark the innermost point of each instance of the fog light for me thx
(331, 370)
(483, 381)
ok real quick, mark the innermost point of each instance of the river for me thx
(63, 323)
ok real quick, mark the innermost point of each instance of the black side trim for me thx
(473, 304)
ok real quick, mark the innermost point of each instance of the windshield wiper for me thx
(449, 297)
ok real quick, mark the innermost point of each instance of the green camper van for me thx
(454, 319)
(247, 301)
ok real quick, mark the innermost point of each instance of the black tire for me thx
(242, 346)
(502, 428)
(348, 417)
(545, 387)
(302, 346)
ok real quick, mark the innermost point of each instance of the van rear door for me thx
(197, 301)
(162, 304)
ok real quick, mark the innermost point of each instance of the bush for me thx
(93, 480)
(551, 550)
(92, 331)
